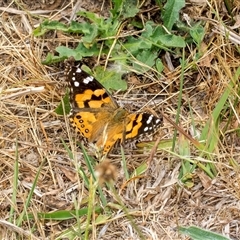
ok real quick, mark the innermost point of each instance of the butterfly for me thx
(97, 116)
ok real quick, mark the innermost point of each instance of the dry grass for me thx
(31, 133)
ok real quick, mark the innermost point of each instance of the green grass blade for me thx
(24, 212)
(15, 185)
(61, 214)
(88, 162)
(213, 137)
(197, 233)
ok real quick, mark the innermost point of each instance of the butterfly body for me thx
(96, 115)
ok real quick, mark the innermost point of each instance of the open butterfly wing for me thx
(98, 118)
(86, 91)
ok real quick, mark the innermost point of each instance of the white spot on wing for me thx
(157, 121)
(88, 79)
(149, 119)
(76, 84)
(73, 78)
(78, 70)
(145, 129)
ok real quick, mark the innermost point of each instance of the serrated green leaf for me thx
(169, 40)
(171, 12)
(78, 53)
(87, 50)
(100, 27)
(156, 35)
(89, 31)
(50, 59)
(157, 32)
(90, 34)
(110, 79)
(133, 45)
(149, 28)
(49, 25)
(147, 57)
(67, 52)
(130, 8)
(92, 17)
(76, 27)
(117, 4)
(124, 9)
(197, 32)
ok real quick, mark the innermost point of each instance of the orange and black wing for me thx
(97, 117)
(91, 104)
(85, 91)
(139, 124)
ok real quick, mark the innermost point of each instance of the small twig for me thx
(29, 90)
(233, 37)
